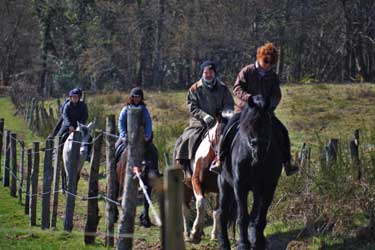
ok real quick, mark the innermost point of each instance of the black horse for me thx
(253, 163)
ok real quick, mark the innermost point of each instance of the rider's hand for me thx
(209, 120)
(71, 129)
(256, 100)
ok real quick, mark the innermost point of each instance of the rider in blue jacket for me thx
(135, 100)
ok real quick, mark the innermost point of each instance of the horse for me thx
(150, 173)
(86, 131)
(202, 181)
(253, 163)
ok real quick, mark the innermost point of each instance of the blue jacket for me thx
(73, 113)
(122, 122)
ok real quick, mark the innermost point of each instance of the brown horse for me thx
(150, 170)
(199, 181)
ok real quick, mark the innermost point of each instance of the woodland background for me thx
(54, 45)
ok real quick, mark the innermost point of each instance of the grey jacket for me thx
(203, 101)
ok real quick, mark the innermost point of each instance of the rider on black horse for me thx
(206, 98)
(258, 83)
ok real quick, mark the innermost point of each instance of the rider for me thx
(136, 99)
(206, 98)
(74, 111)
(256, 81)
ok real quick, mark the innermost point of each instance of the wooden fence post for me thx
(1, 140)
(6, 159)
(36, 123)
(28, 180)
(34, 184)
(21, 170)
(56, 178)
(31, 114)
(110, 208)
(173, 186)
(92, 204)
(135, 157)
(58, 108)
(47, 180)
(354, 153)
(331, 151)
(72, 181)
(13, 157)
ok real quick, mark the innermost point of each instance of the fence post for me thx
(92, 204)
(135, 157)
(56, 176)
(34, 184)
(110, 208)
(1, 140)
(331, 151)
(47, 180)
(173, 187)
(37, 119)
(21, 170)
(31, 114)
(6, 159)
(354, 153)
(13, 157)
(28, 180)
(72, 181)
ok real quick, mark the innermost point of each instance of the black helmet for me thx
(137, 91)
(75, 91)
(209, 64)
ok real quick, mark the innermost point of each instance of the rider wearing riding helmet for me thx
(74, 111)
(257, 83)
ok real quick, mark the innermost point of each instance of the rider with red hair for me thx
(257, 83)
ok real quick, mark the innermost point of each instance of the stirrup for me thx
(216, 167)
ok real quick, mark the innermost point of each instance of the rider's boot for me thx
(216, 165)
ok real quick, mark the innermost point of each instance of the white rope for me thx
(111, 135)
(158, 220)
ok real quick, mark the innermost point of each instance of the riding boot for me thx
(216, 165)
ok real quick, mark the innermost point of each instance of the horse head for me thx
(86, 131)
(256, 131)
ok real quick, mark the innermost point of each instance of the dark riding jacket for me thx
(250, 82)
(74, 113)
(203, 101)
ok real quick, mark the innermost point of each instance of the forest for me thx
(54, 45)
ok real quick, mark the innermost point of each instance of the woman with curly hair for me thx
(258, 84)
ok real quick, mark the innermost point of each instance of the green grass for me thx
(312, 113)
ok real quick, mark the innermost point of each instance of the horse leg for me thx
(242, 216)
(197, 231)
(225, 201)
(215, 217)
(253, 218)
(144, 217)
(188, 194)
(261, 221)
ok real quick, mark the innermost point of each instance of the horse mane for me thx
(249, 117)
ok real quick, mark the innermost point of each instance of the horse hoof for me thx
(145, 221)
(195, 239)
(243, 246)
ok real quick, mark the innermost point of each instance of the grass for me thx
(312, 113)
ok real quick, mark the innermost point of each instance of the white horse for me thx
(86, 131)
